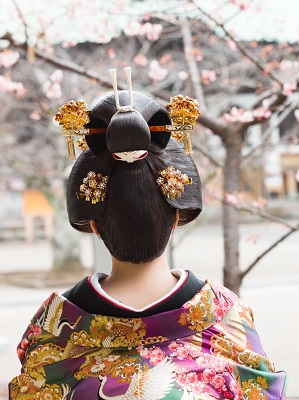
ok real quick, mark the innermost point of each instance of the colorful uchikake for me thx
(172, 182)
(94, 187)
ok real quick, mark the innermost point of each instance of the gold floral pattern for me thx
(199, 313)
(223, 346)
(111, 332)
(252, 390)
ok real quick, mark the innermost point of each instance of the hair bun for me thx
(127, 131)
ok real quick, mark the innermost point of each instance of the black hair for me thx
(135, 219)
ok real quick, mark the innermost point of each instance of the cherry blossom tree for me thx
(51, 54)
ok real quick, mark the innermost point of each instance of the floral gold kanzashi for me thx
(172, 182)
(94, 187)
(183, 112)
(73, 116)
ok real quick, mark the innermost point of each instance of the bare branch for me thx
(262, 255)
(206, 153)
(211, 123)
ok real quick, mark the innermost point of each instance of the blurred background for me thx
(239, 58)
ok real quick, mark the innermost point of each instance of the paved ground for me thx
(271, 289)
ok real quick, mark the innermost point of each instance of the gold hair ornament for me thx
(94, 187)
(172, 182)
(183, 112)
(73, 116)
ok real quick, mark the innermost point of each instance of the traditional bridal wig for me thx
(135, 219)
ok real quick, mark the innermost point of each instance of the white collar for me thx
(98, 276)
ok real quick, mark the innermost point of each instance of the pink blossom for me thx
(34, 330)
(253, 238)
(8, 58)
(289, 88)
(197, 54)
(7, 85)
(111, 54)
(233, 115)
(183, 75)
(231, 44)
(246, 116)
(261, 113)
(181, 379)
(218, 381)
(242, 4)
(144, 352)
(21, 354)
(191, 378)
(157, 73)
(52, 90)
(24, 343)
(156, 356)
(182, 353)
(69, 43)
(260, 203)
(173, 346)
(35, 115)
(219, 313)
(231, 198)
(151, 31)
(140, 60)
(207, 76)
(207, 375)
(57, 76)
(133, 29)
(235, 388)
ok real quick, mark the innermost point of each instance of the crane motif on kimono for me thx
(53, 324)
(153, 384)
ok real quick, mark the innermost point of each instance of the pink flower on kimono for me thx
(207, 375)
(156, 356)
(182, 352)
(191, 378)
(21, 354)
(217, 364)
(173, 347)
(219, 313)
(181, 379)
(34, 330)
(144, 352)
(235, 388)
(24, 343)
(218, 381)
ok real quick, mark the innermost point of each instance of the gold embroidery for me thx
(223, 346)
(254, 390)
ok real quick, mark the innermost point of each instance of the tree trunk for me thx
(65, 242)
(231, 175)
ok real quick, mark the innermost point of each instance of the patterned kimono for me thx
(207, 349)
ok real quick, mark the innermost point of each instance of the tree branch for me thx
(211, 123)
(206, 153)
(265, 136)
(241, 48)
(253, 211)
(191, 63)
(281, 239)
